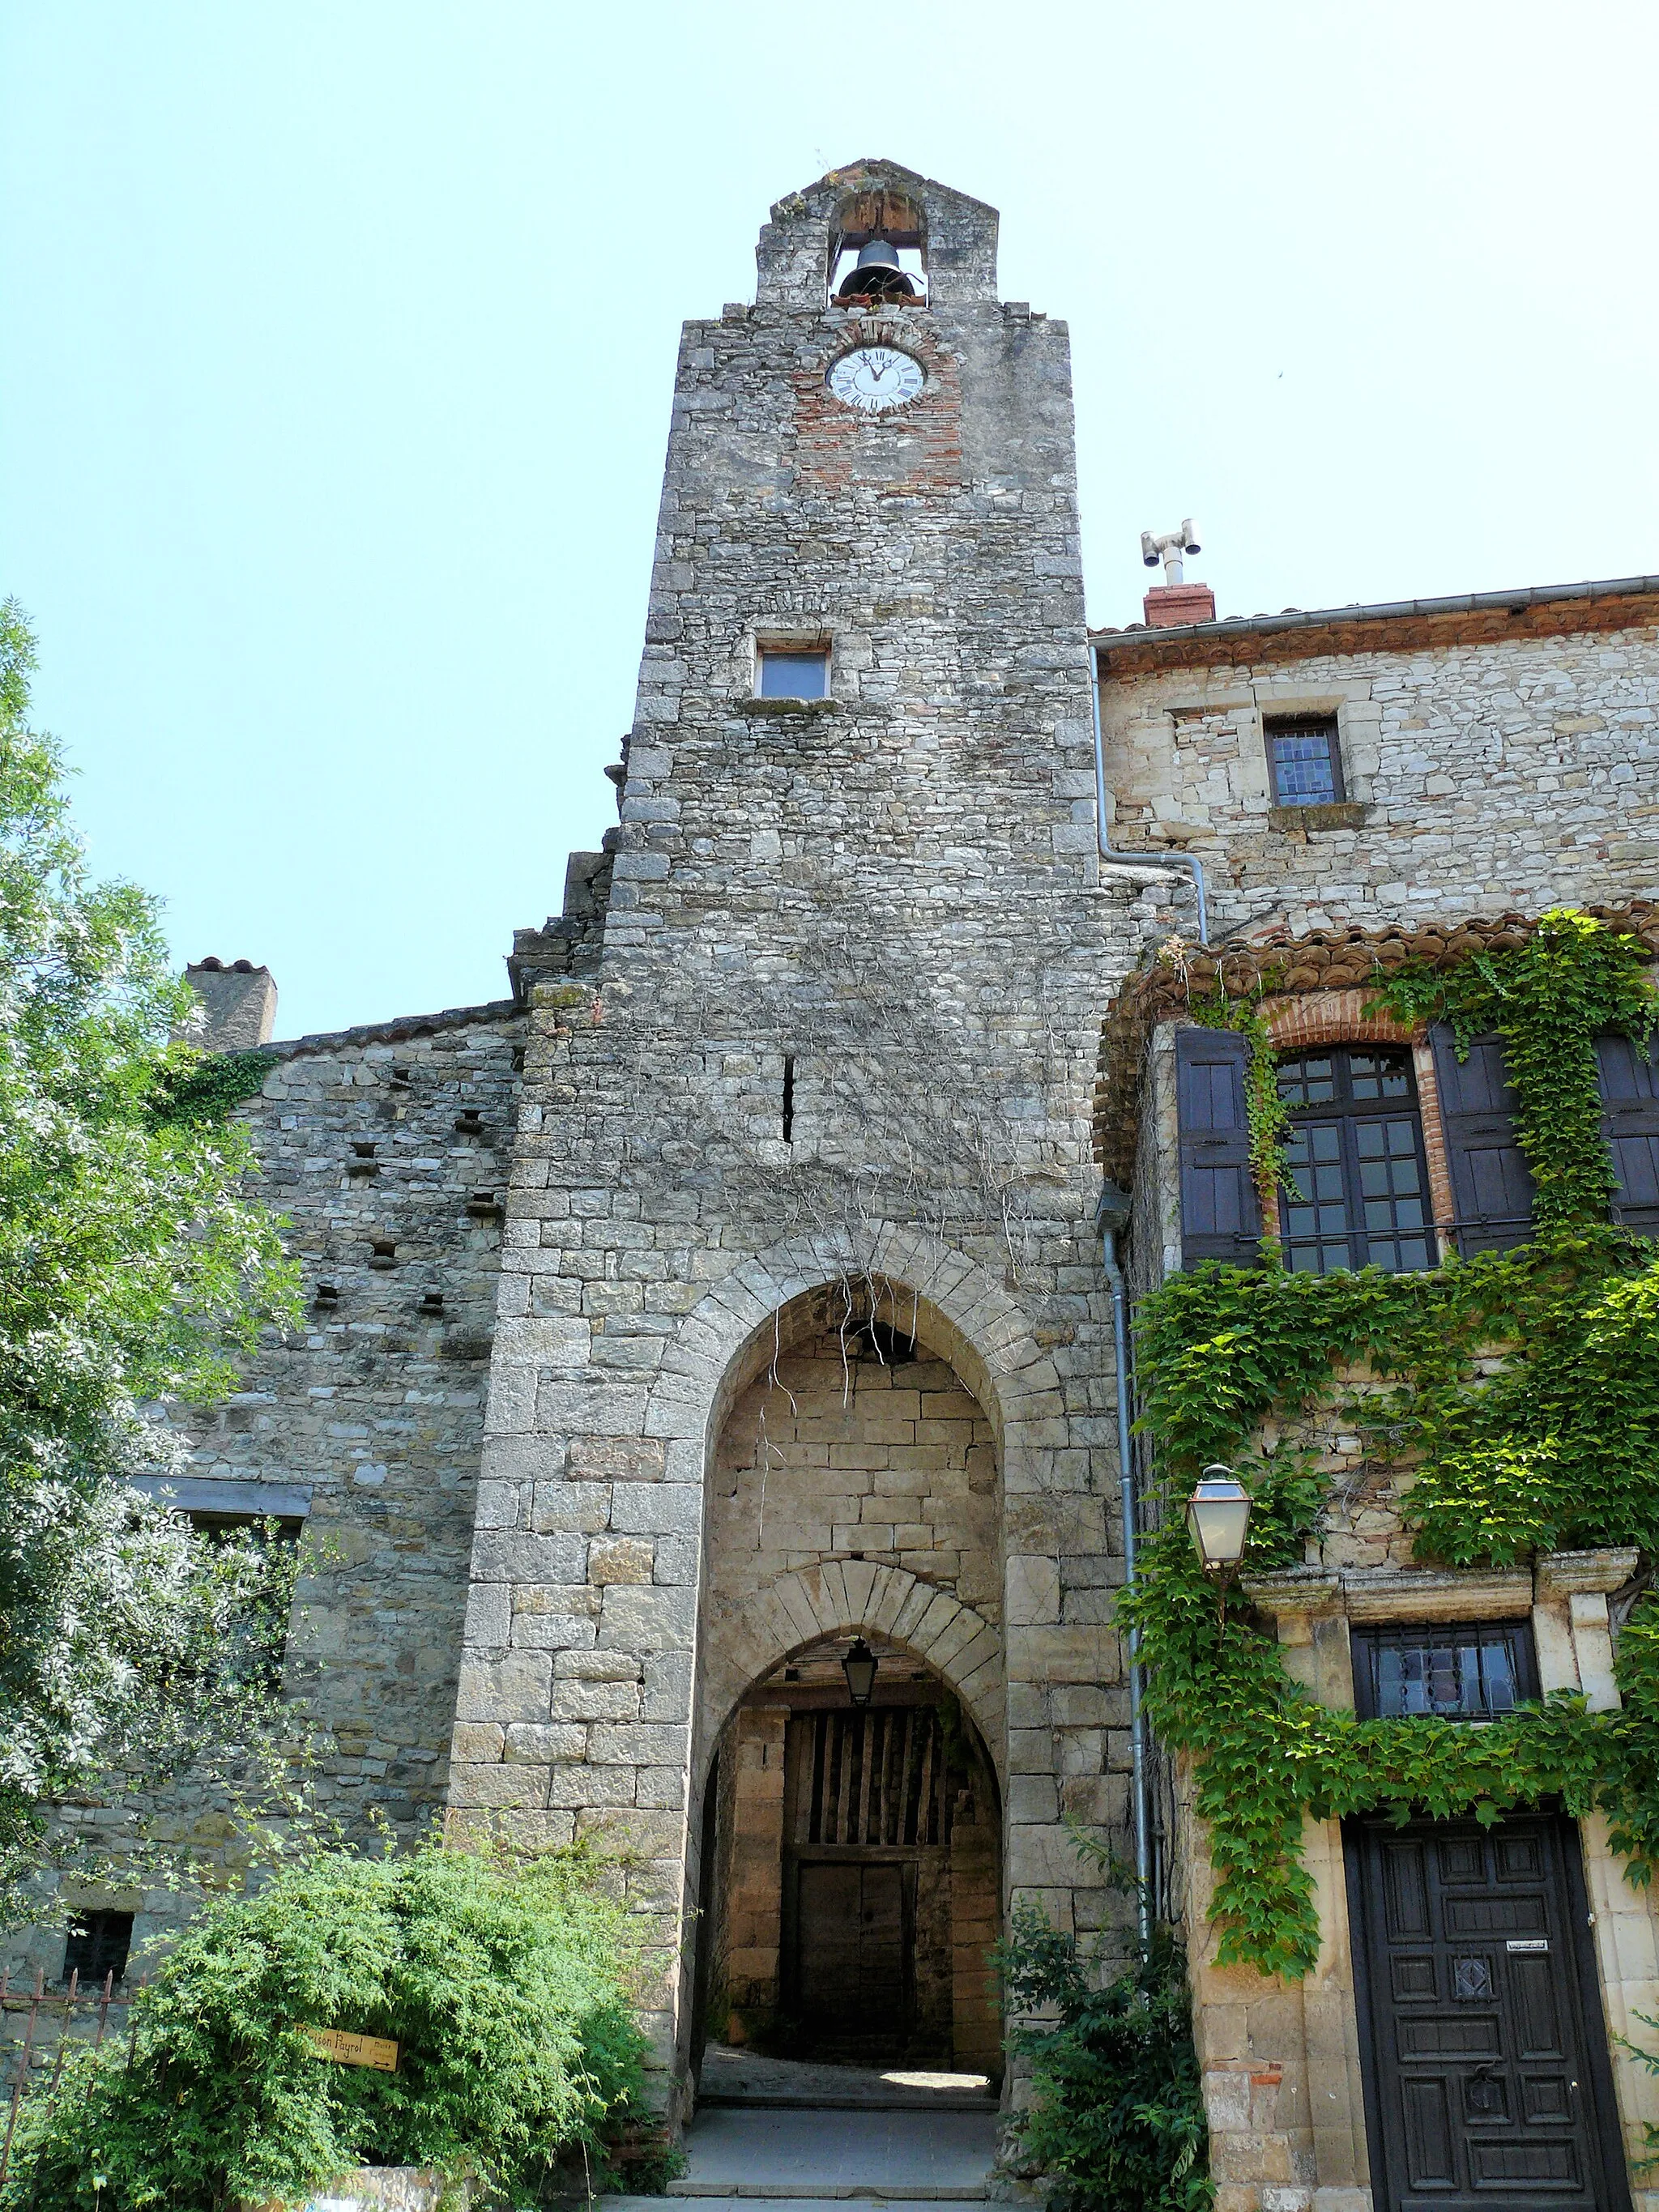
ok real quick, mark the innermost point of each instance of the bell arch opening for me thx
(852, 1869)
(884, 216)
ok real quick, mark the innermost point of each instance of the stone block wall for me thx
(835, 1453)
(384, 1149)
(1487, 775)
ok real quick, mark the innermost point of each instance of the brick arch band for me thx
(845, 1595)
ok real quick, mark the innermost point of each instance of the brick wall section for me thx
(924, 438)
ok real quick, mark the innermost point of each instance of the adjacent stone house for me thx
(732, 1296)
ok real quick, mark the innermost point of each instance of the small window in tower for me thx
(98, 1944)
(793, 672)
(1304, 760)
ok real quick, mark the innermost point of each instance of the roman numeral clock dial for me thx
(875, 378)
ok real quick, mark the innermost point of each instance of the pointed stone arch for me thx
(966, 1316)
(843, 1596)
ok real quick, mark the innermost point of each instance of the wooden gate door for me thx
(854, 1956)
(1487, 2081)
(864, 1852)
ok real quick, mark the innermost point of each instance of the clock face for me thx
(875, 377)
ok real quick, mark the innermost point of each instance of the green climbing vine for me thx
(1268, 1117)
(1552, 1445)
(195, 1086)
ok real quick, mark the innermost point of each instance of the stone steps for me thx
(770, 2154)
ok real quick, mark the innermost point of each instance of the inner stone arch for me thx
(853, 1871)
(853, 1489)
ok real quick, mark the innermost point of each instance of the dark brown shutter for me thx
(1492, 1184)
(1220, 1213)
(1630, 1122)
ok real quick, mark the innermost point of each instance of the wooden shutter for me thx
(1630, 1122)
(1220, 1212)
(1492, 1184)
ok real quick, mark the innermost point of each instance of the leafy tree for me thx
(505, 1988)
(132, 1274)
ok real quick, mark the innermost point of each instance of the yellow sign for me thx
(354, 2049)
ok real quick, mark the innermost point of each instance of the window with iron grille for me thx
(1355, 1158)
(99, 1943)
(1304, 760)
(1457, 1670)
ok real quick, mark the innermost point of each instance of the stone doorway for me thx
(855, 1863)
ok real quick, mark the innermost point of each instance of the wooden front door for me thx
(1487, 2081)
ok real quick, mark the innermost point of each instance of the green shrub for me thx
(505, 1988)
(1117, 2117)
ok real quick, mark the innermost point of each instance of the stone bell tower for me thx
(823, 1098)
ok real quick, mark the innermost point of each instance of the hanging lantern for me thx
(859, 1667)
(1218, 1520)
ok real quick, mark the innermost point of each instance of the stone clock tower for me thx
(803, 1341)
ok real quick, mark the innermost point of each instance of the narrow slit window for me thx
(793, 672)
(789, 1098)
(1304, 760)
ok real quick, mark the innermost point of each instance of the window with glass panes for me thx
(1355, 1159)
(1304, 759)
(801, 673)
(1457, 1670)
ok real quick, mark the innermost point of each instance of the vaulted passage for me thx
(848, 1881)
(855, 1870)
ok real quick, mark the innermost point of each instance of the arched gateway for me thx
(846, 1876)
(827, 1451)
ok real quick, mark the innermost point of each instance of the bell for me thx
(878, 274)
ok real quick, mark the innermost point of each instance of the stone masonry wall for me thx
(385, 1150)
(827, 1457)
(890, 897)
(1491, 776)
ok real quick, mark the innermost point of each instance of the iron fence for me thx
(39, 2029)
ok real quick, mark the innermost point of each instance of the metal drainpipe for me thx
(1111, 1217)
(1136, 860)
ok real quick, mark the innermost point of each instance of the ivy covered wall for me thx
(1514, 1397)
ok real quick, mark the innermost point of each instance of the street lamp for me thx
(1219, 1521)
(859, 1667)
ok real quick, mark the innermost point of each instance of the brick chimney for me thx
(238, 1003)
(1166, 605)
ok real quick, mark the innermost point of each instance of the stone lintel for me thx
(1381, 1594)
(1562, 1575)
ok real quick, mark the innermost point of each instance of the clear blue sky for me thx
(339, 341)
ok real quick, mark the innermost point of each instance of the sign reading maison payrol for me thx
(354, 2049)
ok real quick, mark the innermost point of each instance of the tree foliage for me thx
(132, 1274)
(506, 1990)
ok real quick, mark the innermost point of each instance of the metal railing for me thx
(32, 2060)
